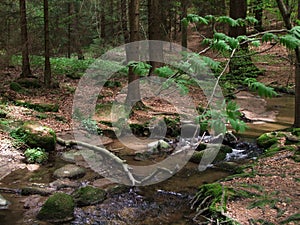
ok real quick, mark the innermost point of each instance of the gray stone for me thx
(3, 203)
(69, 171)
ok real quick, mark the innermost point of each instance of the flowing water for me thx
(167, 202)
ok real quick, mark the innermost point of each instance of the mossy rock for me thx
(35, 135)
(74, 75)
(16, 87)
(30, 82)
(89, 196)
(266, 140)
(40, 107)
(58, 208)
(221, 156)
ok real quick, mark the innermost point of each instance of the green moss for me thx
(30, 83)
(16, 87)
(40, 107)
(89, 195)
(58, 208)
(266, 140)
(36, 135)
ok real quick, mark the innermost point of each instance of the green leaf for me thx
(193, 18)
(220, 36)
(255, 43)
(211, 63)
(290, 41)
(251, 20)
(185, 22)
(268, 37)
(260, 88)
(296, 31)
(164, 71)
(228, 20)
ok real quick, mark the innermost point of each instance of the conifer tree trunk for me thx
(26, 72)
(47, 72)
(155, 33)
(132, 53)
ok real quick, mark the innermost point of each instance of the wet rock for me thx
(158, 145)
(221, 155)
(36, 135)
(36, 191)
(3, 203)
(71, 156)
(58, 208)
(103, 183)
(65, 183)
(89, 196)
(69, 171)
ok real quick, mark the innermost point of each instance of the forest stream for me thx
(167, 202)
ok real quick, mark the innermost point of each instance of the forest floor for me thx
(278, 174)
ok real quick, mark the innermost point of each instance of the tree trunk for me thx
(286, 15)
(238, 9)
(258, 11)
(26, 72)
(103, 23)
(155, 33)
(132, 53)
(184, 7)
(75, 31)
(47, 72)
(124, 19)
(69, 48)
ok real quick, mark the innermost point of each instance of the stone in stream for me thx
(3, 203)
(89, 196)
(211, 148)
(69, 171)
(58, 208)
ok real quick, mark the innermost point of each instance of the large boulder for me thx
(58, 208)
(89, 196)
(36, 135)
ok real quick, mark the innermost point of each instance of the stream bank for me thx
(154, 204)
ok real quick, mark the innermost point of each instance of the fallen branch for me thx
(122, 163)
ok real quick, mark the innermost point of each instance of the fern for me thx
(260, 88)
(251, 20)
(290, 41)
(193, 18)
(228, 20)
(268, 37)
(164, 71)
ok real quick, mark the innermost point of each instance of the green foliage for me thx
(290, 41)
(217, 119)
(269, 37)
(91, 126)
(260, 88)
(140, 68)
(60, 65)
(36, 155)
